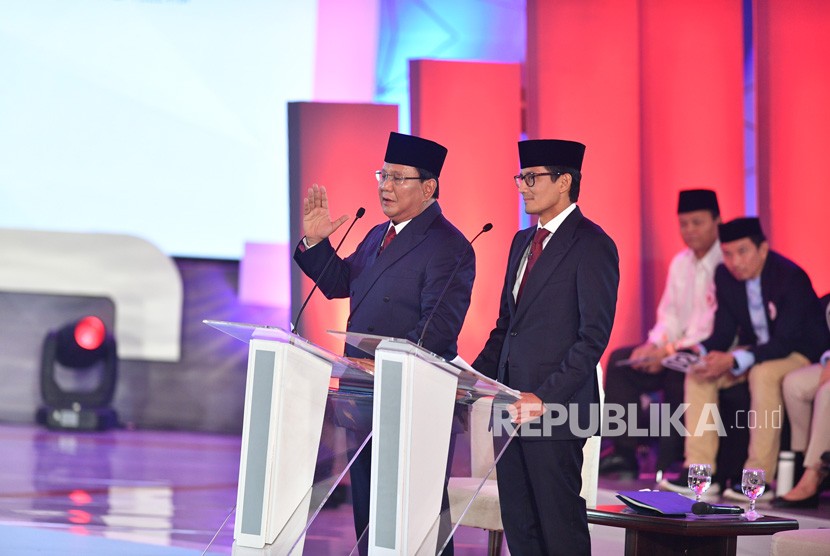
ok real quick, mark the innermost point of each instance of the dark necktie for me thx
(390, 235)
(533, 256)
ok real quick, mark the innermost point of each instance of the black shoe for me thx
(783, 503)
(616, 463)
(680, 484)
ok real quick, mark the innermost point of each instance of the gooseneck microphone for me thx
(704, 508)
(486, 228)
(358, 215)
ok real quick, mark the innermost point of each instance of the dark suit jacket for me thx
(551, 342)
(794, 314)
(393, 294)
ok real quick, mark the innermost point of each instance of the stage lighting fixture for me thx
(78, 374)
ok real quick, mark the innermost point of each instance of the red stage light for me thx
(80, 497)
(90, 332)
(79, 517)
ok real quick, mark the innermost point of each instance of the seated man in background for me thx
(768, 303)
(684, 318)
(807, 397)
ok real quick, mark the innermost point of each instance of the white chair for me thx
(804, 542)
(484, 513)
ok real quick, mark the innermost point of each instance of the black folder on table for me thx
(659, 503)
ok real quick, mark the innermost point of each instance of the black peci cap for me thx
(551, 152)
(416, 152)
(698, 199)
(739, 229)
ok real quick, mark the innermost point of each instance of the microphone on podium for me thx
(358, 215)
(486, 228)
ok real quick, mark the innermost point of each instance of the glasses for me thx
(382, 176)
(753, 484)
(530, 178)
(700, 478)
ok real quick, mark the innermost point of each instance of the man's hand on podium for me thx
(367, 365)
(527, 408)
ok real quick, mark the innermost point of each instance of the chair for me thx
(804, 542)
(484, 513)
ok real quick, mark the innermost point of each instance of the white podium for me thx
(415, 395)
(284, 480)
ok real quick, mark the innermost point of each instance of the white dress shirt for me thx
(686, 313)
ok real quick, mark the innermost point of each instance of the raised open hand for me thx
(317, 223)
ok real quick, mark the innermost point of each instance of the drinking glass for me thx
(700, 478)
(753, 483)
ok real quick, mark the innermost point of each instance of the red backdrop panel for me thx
(474, 109)
(338, 146)
(692, 121)
(583, 84)
(793, 57)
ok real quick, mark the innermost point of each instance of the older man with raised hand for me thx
(395, 278)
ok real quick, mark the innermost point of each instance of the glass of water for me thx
(753, 483)
(700, 478)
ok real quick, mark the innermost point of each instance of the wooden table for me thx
(693, 535)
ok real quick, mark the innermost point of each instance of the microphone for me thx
(704, 508)
(486, 228)
(358, 215)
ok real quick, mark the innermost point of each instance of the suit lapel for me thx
(768, 293)
(522, 242)
(412, 235)
(374, 239)
(552, 255)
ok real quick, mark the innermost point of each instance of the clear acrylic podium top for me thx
(472, 383)
(350, 373)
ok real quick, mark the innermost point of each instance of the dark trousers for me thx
(624, 385)
(360, 475)
(541, 509)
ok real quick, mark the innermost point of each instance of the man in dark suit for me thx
(557, 310)
(397, 273)
(768, 303)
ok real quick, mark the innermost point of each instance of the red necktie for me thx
(390, 235)
(535, 252)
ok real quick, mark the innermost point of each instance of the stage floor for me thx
(158, 493)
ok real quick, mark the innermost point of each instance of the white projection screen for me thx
(163, 119)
